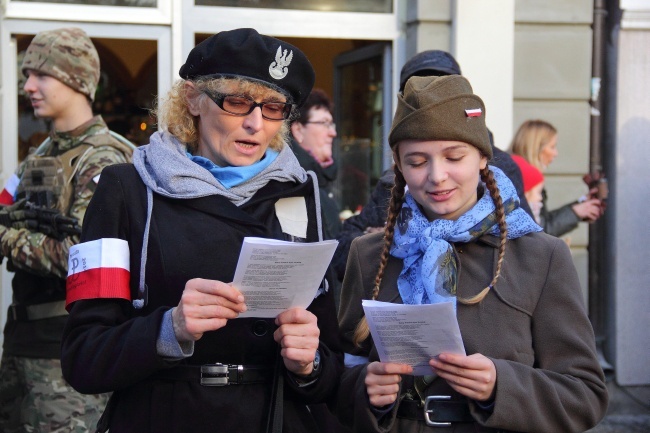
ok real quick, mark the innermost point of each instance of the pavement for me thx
(628, 411)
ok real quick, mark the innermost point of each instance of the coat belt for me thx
(23, 313)
(218, 374)
(438, 411)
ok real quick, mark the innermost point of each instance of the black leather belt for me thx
(24, 313)
(218, 374)
(438, 411)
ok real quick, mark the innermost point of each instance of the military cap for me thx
(247, 54)
(66, 54)
(440, 108)
(429, 62)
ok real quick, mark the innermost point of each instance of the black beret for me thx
(428, 63)
(246, 53)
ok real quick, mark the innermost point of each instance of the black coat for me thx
(559, 221)
(110, 346)
(326, 177)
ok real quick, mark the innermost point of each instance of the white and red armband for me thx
(98, 269)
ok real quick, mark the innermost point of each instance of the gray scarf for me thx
(166, 170)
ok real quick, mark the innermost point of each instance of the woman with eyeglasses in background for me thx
(155, 320)
(313, 134)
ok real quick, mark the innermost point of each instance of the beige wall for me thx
(428, 26)
(552, 76)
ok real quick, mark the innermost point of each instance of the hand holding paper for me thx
(473, 376)
(205, 305)
(413, 334)
(382, 382)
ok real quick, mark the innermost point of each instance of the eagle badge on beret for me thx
(278, 69)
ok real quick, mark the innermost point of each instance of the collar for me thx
(233, 176)
(490, 240)
(66, 140)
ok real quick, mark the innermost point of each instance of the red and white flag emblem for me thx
(98, 269)
(474, 112)
(8, 192)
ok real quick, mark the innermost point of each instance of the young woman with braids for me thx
(455, 233)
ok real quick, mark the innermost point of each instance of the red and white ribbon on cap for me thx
(98, 269)
(473, 112)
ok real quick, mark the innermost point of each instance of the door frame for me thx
(385, 50)
(159, 14)
(286, 23)
(9, 94)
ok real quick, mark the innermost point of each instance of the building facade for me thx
(525, 58)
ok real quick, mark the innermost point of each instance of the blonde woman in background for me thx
(536, 141)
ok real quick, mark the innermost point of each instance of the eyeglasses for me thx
(241, 105)
(325, 123)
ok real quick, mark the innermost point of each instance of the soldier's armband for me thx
(98, 269)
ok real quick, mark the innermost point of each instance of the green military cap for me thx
(440, 108)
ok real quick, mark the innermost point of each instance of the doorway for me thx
(135, 61)
(362, 79)
(125, 94)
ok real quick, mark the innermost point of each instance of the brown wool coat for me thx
(532, 325)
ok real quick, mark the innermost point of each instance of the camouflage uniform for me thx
(30, 383)
(34, 397)
(31, 349)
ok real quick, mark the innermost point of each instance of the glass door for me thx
(135, 64)
(126, 92)
(363, 112)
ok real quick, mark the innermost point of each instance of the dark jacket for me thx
(505, 162)
(326, 177)
(532, 325)
(373, 214)
(559, 221)
(110, 346)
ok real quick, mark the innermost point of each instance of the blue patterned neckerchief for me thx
(429, 274)
(233, 176)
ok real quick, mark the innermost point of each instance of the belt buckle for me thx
(428, 411)
(219, 374)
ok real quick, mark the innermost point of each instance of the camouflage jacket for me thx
(36, 252)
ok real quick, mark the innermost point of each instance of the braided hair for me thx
(362, 330)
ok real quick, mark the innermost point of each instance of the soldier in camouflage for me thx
(62, 70)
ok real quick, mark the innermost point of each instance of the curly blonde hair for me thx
(174, 114)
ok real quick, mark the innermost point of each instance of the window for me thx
(376, 6)
(130, 3)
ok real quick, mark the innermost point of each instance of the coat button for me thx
(260, 328)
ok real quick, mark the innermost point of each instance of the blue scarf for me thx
(429, 274)
(233, 176)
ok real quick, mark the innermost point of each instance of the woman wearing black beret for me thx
(153, 317)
